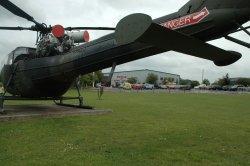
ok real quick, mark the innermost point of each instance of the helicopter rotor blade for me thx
(16, 10)
(90, 28)
(17, 28)
(19, 12)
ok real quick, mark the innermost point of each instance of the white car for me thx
(148, 86)
(202, 86)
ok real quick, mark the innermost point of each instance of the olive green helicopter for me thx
(62, 54)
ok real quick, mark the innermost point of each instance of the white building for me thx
(141, 76)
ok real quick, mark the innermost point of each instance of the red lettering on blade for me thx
(187, 20)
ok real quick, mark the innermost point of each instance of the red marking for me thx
(58, 31)
(187, 20)
(86, 36)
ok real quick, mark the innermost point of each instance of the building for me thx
(141, 76)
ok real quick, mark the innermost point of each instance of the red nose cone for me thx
(58, 31)
(86, 36)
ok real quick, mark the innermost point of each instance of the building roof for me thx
(144, 70)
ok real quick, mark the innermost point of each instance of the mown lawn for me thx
(144, 129)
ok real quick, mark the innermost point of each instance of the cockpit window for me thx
(10, 58)
(19, 54)
(20, 51)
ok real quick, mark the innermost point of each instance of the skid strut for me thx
(79, 98)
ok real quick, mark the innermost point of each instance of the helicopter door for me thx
(191, 7)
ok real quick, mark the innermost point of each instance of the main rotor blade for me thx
(89, 28)
(16, 10)
(16, 28)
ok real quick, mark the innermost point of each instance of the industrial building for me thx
(141, 76)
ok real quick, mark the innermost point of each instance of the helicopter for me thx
(61, 55)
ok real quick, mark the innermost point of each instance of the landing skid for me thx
(81, 105)
(60, 103)
(57, 100)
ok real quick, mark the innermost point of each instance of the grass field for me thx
(144, 129)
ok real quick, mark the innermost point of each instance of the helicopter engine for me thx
(47, 45)
(79, 37)
(59, 42)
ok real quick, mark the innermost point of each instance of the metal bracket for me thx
(112, 72)
(241, 28)
(244, 29)
(232, 39)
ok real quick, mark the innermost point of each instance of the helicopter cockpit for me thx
(21, 53)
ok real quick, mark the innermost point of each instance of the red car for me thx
(137, 86)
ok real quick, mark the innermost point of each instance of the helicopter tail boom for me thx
(140, 28)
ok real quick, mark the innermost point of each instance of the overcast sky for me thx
(108, 13)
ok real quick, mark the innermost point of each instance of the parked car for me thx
(98, 85)
(148, 86)
(245, 89)
(208, 87)
(163, 86)
(173, 86)
(127, 86)
(226, 88)
(216, 87)
(185, 87)
(235, 87)
(136, 86)
(156, 86)
(200, 87)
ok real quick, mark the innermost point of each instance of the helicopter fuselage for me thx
(52, 76)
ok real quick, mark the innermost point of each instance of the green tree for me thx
(151, 78)
(85, 80)
(99, 76)
(185, 82)
(224, 81)
(206, 82)
(243, 81)
(215, 82)
(194, 83)
(132, 80)
(88, 79)
(191, 83)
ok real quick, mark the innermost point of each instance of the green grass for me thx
(144, 129)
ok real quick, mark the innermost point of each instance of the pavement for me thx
(13, 112)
